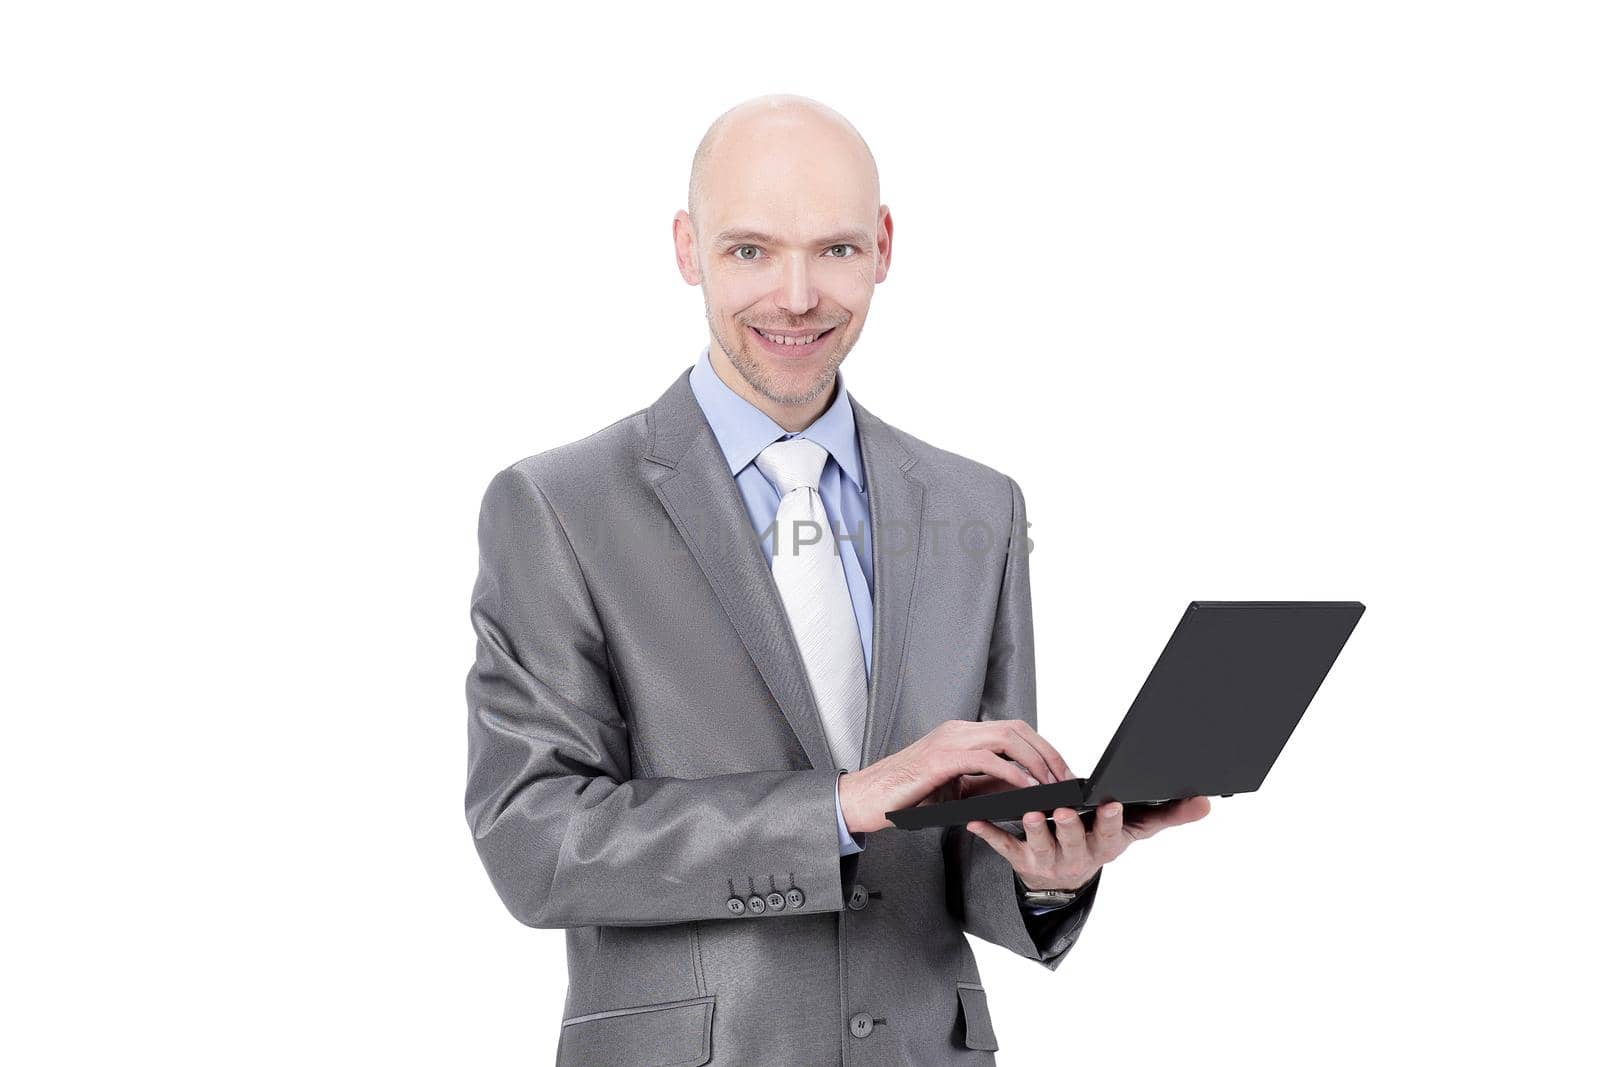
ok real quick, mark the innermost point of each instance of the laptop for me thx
(1218, 707)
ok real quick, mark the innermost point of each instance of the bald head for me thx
(786, 239)
(765, 121)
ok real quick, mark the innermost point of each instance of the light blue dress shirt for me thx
(743, 430)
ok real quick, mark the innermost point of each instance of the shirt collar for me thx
(743, 430)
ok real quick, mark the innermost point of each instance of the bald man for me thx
(721, 637)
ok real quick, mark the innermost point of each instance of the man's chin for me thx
(789, 386)
(786, 384)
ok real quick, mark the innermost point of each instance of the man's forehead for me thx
(809, 232)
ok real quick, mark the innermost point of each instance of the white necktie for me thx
(810, 580)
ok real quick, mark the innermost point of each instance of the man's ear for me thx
(885, 240)
(686, 247)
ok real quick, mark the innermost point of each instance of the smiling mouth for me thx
(791, 346)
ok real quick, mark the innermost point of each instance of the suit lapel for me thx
(703, 502)
(894, 503)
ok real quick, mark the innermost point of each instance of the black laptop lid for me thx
(1223, 698)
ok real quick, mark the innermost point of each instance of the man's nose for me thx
(796, 294)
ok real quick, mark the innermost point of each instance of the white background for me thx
(1255, 301)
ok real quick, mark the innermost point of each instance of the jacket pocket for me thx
(676, 1033)
(975, 1016)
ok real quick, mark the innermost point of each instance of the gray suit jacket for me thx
(644, 749)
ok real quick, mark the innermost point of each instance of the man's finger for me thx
(1107, 843)
(1055, 766)
(1041, 843)
(1057, 762)
(998, 839)
(1184, 811)
(1010, 737)
(1069, 831)
(979, 785)
(1192, 808)
(982, 761)
(1019, 740)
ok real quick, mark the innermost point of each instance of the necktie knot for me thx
(793, 463)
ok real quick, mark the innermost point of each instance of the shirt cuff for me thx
(1040, 909)
(848, 842)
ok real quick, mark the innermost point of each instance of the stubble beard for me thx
(753, 371)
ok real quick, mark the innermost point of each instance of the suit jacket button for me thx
(795, 898)
(861, 1024)
(858, 898)
(736, 905)
(775, 901)
(756, 904)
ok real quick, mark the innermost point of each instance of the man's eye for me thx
(737, 249)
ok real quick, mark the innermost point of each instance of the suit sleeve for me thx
(568, 835)
(982, 887)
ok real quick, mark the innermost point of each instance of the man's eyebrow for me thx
(856, 237)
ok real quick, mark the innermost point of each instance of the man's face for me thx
(792, 242)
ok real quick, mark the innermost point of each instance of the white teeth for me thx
(788, 340)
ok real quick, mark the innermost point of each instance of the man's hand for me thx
(1068, 857)
(956, 759)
